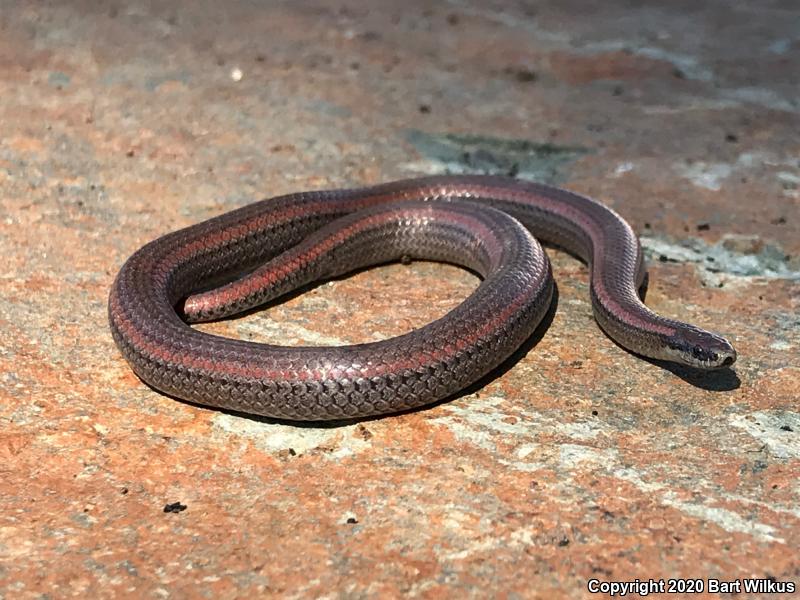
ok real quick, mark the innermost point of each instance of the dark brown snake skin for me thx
(272, 247)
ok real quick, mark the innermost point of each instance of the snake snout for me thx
(701, 349)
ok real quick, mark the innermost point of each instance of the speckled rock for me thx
(576, 461)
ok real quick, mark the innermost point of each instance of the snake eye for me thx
(702, 354)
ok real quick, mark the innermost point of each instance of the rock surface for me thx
(122, 121)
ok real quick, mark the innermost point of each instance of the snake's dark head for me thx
(700, 349)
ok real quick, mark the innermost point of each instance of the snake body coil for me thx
(487, 224)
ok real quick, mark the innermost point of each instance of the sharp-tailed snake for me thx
(264, 250)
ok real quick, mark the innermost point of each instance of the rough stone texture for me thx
(121, 121)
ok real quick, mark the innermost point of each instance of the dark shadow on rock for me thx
(718, 380)
(643, 286)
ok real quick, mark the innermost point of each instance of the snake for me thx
(491, 225)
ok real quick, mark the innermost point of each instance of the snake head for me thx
(700, 349)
